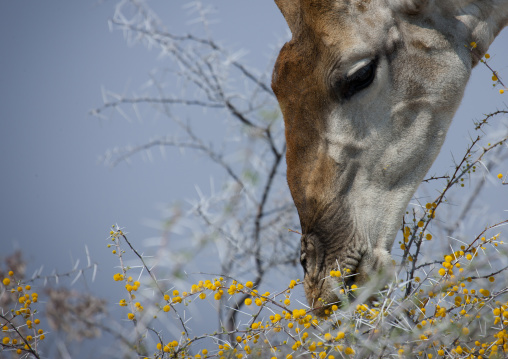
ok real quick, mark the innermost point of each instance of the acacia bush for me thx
(446, 295)
(453, 305)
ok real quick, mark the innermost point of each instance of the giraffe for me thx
(368, 89)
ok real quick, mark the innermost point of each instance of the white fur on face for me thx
(396, 134)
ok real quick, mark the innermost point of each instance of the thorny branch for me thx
(462, 169)
(259, 203)
(28, 347)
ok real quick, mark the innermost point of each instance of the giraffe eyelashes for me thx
(360, 79)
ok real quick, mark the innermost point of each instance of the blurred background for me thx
(59, 192)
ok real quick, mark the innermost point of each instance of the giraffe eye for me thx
(359, 79)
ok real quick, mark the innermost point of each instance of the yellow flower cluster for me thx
(22, 315)
(168, 348)
(446, 301)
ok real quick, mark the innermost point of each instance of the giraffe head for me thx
(368, 89)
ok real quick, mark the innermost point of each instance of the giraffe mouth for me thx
(331, 289)
(354, 277)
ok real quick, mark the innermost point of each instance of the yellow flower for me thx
(6, 281)
(485, 292)
(349, 351)
(130, 316)
(177, 300)
(500, 175)
(501, 91)
(335, 273)
(249, 284)
(202, 295)
(166, 308)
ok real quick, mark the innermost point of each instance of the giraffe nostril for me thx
(303, 262)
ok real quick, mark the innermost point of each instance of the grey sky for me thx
(56, 57)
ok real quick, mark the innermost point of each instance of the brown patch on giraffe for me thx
(362, 6)
(414, 7)
(415, 89)
(302, 101)
(420, 45)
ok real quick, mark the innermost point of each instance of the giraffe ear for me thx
(291, 11)
(409, 7)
